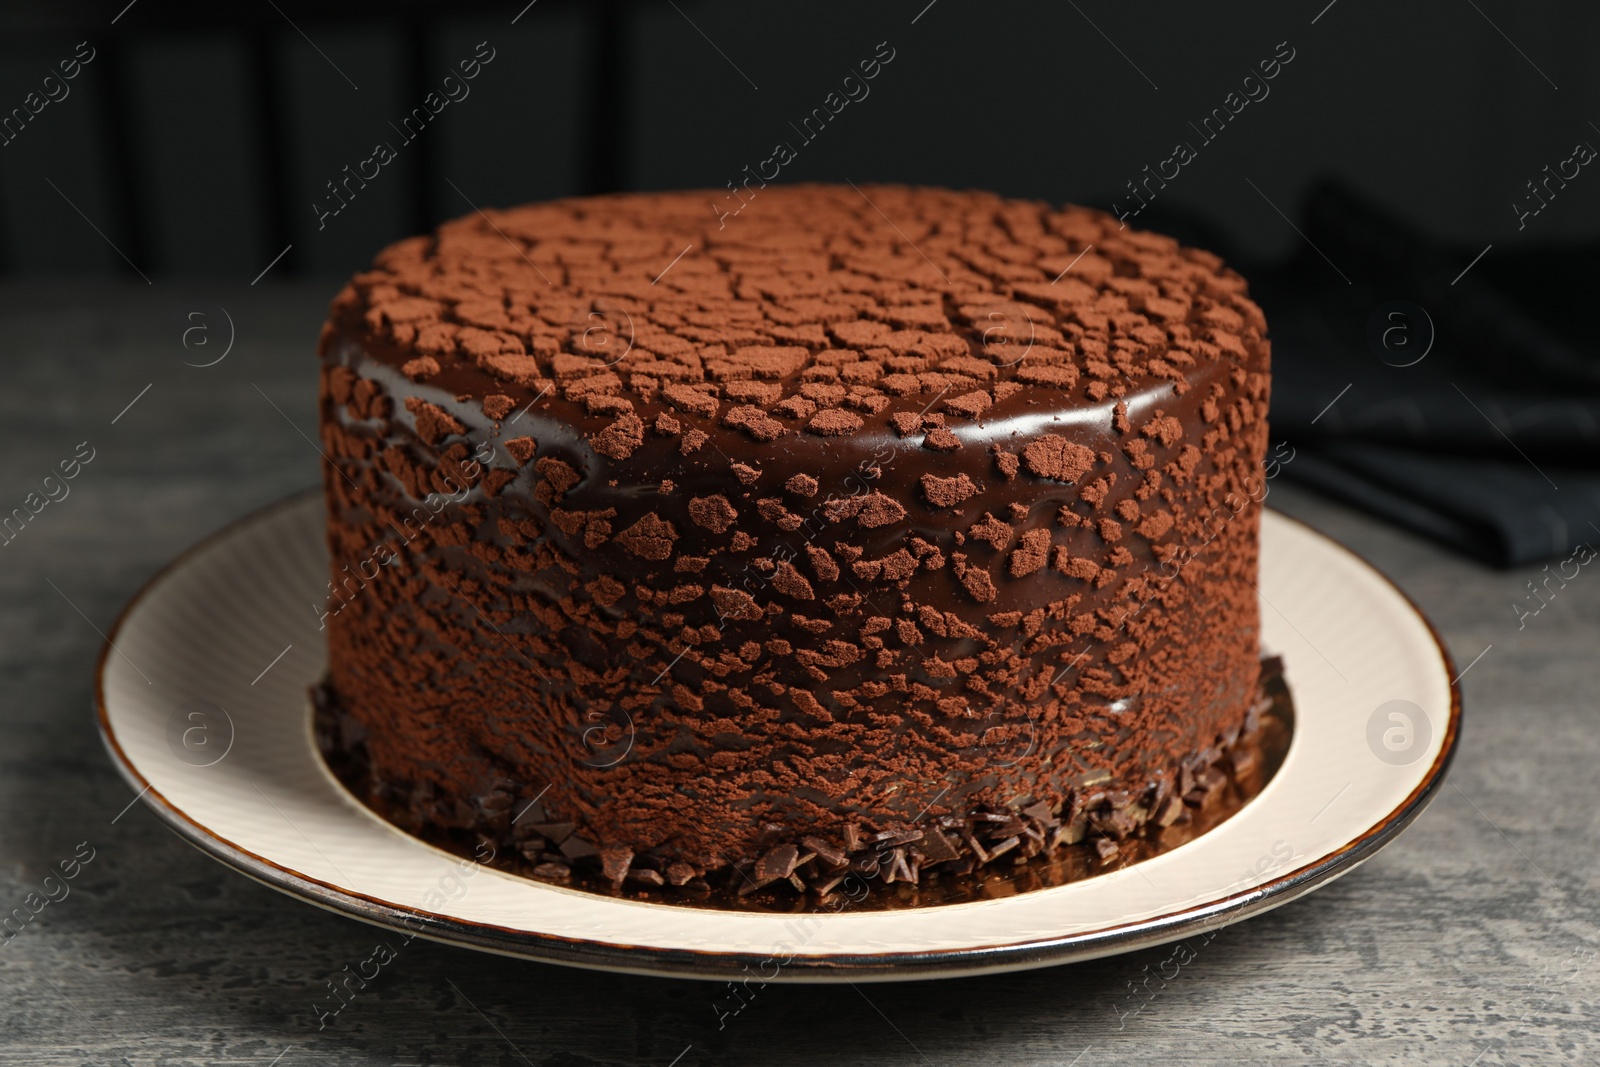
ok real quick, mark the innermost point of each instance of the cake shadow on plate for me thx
(1097, 841)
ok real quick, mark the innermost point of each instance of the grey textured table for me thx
(1471, 940)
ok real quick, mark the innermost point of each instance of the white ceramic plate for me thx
(202, 694)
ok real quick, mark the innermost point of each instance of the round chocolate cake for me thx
(884, 530)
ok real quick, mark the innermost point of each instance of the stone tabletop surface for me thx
(1470, 941)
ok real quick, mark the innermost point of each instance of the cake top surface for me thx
(815, 311)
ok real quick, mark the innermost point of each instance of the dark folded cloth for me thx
(1484, 507)
(1458, 399)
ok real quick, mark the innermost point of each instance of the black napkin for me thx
(1451, 393)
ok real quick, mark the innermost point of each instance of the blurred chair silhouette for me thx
(198, 135)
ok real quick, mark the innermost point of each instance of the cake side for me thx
(831, 528)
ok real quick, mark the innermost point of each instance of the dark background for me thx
(199, 137)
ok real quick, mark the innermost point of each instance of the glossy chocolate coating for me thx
(802, 542)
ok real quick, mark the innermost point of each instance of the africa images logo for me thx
(1398, 732)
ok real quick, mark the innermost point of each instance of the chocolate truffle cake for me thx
(886, 530)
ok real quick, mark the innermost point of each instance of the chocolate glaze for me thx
(1244, 768)
(822, 532)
